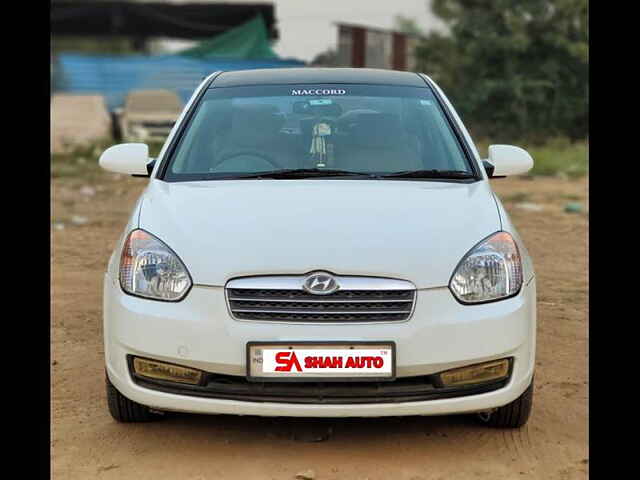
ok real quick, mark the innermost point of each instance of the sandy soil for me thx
(87, 443)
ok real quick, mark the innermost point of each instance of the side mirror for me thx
(128, 158)
(507, 160)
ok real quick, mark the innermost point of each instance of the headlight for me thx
(150, 269)
(490, 271)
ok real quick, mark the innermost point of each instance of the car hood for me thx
(411, 230)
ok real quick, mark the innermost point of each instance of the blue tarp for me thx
(114, 76)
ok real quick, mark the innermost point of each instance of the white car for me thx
(319, 243)
(149, 115)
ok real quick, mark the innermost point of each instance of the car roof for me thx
(312, 75)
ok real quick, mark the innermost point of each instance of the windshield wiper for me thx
(296, 173)
(454, 174)
(292, 173)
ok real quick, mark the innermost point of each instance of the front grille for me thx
(297, 305)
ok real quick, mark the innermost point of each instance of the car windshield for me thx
(350, 130)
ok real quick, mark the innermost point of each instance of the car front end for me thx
(426, 346)
(316, 291)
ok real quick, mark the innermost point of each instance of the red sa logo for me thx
(287, 360)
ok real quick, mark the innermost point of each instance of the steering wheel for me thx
(251, 153)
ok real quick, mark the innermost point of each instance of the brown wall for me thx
(399, 56)
(357, 52)
(353, 49)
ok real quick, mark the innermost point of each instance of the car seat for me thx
(375, 142)
(253, 139)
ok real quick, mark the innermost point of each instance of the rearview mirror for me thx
(508, 160)
(317, 106)
(301, 107)
(128, 158)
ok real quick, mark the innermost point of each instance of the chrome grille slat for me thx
(282, 299)
(319, 318)
(324, 312)
(326, 300)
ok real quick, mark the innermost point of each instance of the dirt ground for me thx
(87, 443)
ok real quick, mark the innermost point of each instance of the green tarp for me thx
(247, 41)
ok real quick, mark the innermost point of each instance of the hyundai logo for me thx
(320, 283)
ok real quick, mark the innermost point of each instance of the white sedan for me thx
(319, 243)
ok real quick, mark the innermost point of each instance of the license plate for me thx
(329, 361)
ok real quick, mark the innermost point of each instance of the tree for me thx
(515, 69)
(406, 25)
(328, 58)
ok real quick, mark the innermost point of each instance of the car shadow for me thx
(309, 430)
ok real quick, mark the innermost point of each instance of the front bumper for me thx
(199, 332)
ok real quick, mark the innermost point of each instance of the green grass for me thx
(77, 162)
(560, 157)
(82, 161)
(556, 156)
(517, 197)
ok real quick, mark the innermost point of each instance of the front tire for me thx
(124, 410)
(512, 415)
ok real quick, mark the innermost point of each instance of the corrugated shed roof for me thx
(114, 76)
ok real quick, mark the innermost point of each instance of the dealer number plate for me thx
(309, 361)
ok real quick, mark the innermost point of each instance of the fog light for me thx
(166, 371)
(479, 373)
